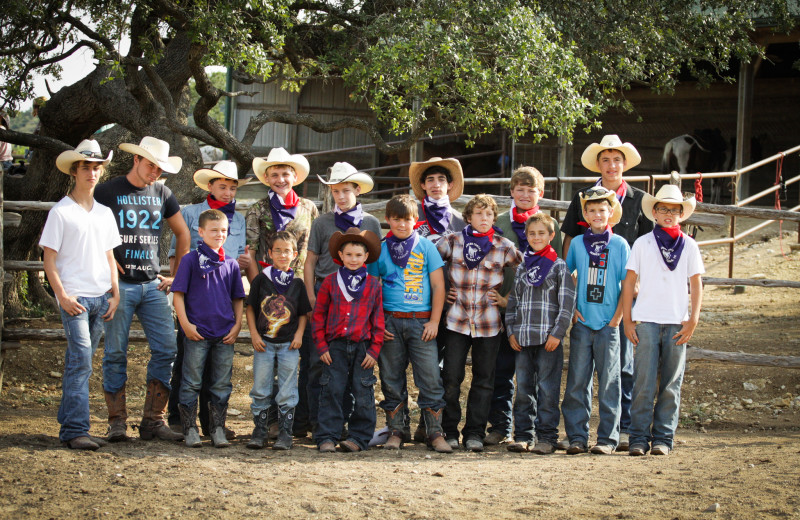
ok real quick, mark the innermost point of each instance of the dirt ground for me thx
(737, 453)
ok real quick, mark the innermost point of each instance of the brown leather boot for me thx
(433, 425)
(155, 403)
(395, 420)
(117, 416)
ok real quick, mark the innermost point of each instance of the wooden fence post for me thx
(2, 282)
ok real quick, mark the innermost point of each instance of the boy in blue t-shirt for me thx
(208, 299)
(410, 269)
(600, 258)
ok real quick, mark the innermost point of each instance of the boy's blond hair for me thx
(527, 176)
(73, 168)
(480, 201)
(541, 218)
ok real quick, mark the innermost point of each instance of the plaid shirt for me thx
(261, 229)
(533, 313)
(359, 320)
(472, 313)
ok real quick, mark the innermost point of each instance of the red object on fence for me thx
(698, 188)
(778, 177)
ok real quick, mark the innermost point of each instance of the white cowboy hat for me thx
(669, 194)
(87, 150)
(416, 170)
(155, 151)
(345, 172)
(279, 156)
(221, 170)
(610, 142)
(600, 193)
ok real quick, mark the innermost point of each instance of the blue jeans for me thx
(658, 367)
(264, 375)
(83, 334)
(345, 369)
(500, 413)
(155, 315)
(589, 350)
(626, 380)
(538, 388)
(195, 355)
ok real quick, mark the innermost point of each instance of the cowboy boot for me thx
(286, 421)
(191, 436)
(433, 426)
(153, 425)
(258, 439)
(395, 421)
(117, 416)
(216, 418)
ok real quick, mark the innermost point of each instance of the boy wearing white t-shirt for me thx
(78, 241)
(658, 324)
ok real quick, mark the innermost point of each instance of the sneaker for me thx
(576, 447)
(475, 445)
(518, 446)
(495, 438)
(453, 442)
(602, 449)
(660, 449)
(543, 448)
(624, 439)
(327, 447)
(563, 444)
(637, 450)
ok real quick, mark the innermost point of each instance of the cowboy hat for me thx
(668, 194)
(87, 150)
(610, 142)
(345, 172)
(222, 170)
(366, 237)
(278, 156)
(600, 193)
(416, 170)
(156, 151)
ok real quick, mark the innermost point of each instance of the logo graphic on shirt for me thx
(596, 279)
(276, 311)
(412, 276)
(472, 252)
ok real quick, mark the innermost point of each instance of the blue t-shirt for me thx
(208, 298)
(599, 286)
(409, 289)
(234, 244)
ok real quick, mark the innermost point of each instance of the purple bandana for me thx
(596, 244)
(438, 214)
(344, 220)
(538, 265)
(477, 245)
(518, 221)
(281, 213)
(280, 279)
(670, 242)
(400, 250)
(229, 209)
(352, 283)
(208, 258)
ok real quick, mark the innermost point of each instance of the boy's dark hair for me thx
(480, 201)
(362, 244)
(527, 176)
(434, 170)
(215, 179)
(402, 206)
(73, 169)
(210, 214)
(611, 150)
(541, 218)
(286, 236)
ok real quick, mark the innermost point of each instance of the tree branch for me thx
(34, 141)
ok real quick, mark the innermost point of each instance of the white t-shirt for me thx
(81, 238)
(663, 294)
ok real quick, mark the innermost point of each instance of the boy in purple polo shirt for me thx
(208, 300)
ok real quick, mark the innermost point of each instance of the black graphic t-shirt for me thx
(140, 214)
(277, 314)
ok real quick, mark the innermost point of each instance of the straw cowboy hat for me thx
(610, 142)
(669, 194)
(416, 170)
(600, 193)
(87, 150)
(345, 172)
(366, 237)
(279, 156)
(221, 170)
(155, 151)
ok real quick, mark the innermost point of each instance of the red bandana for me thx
(214, 203)
(521, 218)
(673, 232)
(291, 199)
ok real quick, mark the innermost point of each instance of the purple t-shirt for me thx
(208, 298)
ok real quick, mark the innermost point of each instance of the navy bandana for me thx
(352, 283)
(280, 279)
(670, 243)
(344, 220)
(518, 223)
(282, 211)
(595, 244)
(477, 245)
(400, 250)
(209, 259)
(228, 209)
(538, 265)
(438, 214)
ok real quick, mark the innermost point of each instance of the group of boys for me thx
(329, 300)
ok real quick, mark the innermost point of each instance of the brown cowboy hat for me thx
(416, 170)
(366, 237)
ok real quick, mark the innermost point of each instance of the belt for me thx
(395, 314)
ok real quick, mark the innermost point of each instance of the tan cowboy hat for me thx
(366, 237)
(155, 151)
(345, 172)
(600, 193)
(416, 170)
(221, 170)
(669, 194)
(610, 142)
(87, 150)
(279, 156)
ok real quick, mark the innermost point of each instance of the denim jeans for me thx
(155, 315)
(174, 416)
(538, 388)
(264, 364)
(658, 367)
(589, 350)
(83, 334)
(500, 412)
(195, 355)
(626, 380)
(345, 369)
(484, 356)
